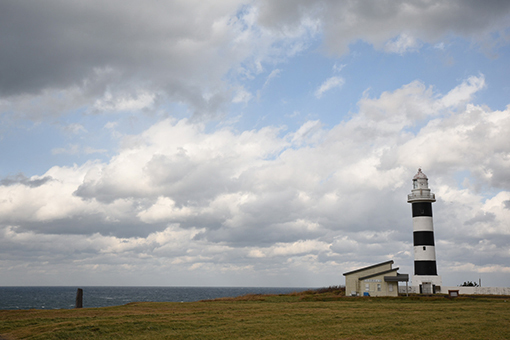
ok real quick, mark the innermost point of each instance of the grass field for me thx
(309, 315)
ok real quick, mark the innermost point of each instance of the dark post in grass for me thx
(79, 298)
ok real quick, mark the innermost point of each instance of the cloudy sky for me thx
(250, 142)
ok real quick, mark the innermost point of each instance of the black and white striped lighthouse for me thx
(425, 268)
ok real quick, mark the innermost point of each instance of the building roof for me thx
(398, 278)
(377, 274)
(369, 267)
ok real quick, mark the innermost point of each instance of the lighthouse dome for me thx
(420, 175)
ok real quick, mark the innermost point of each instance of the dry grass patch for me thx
(308, 315)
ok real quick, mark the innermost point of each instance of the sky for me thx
(250, 142)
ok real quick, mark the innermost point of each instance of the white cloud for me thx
(440, 46)
(125, 102)
(309, 132)
(88, 150)
(338, 68)
(242, 96)
(274, 74)
(298, 248)
(179, 197)
(329, 84)
(74, 128)
(181, 200)
(111, 125)
(75, 149)
(402, 44)
(464, 92)
(165, 209)
(71, 150)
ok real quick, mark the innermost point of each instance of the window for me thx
(390, 287)
(378, 287)
(367, 287)
(424, 248)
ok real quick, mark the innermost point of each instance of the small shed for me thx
(375, 280)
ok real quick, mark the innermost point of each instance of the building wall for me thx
(376, 286)
(351, 284)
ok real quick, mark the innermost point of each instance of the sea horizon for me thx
(63, 297)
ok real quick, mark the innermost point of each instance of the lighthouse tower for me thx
(425, 268)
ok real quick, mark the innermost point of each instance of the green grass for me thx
(308, 315)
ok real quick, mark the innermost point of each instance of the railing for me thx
(421, 196)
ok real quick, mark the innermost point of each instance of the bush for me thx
(337, 290)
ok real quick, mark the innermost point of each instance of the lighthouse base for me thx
(425, 284)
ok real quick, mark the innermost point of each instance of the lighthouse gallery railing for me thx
(421, 196)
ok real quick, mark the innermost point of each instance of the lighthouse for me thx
(425, 269)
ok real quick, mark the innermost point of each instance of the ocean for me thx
(64, 297)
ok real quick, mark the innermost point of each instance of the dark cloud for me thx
(481, 218)
(87, 54)
(22, 179)
(507, 204)
(161, 47)
(345, 22)
(88, 224)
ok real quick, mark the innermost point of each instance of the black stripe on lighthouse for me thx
(422, 209)
(423, 238)
(425, 268)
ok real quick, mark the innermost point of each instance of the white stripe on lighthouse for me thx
(427, 254)
(423, 223)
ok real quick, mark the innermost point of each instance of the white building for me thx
(375, 280)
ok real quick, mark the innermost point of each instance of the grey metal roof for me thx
(377, 274)
(399, 277)
(369, 267)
